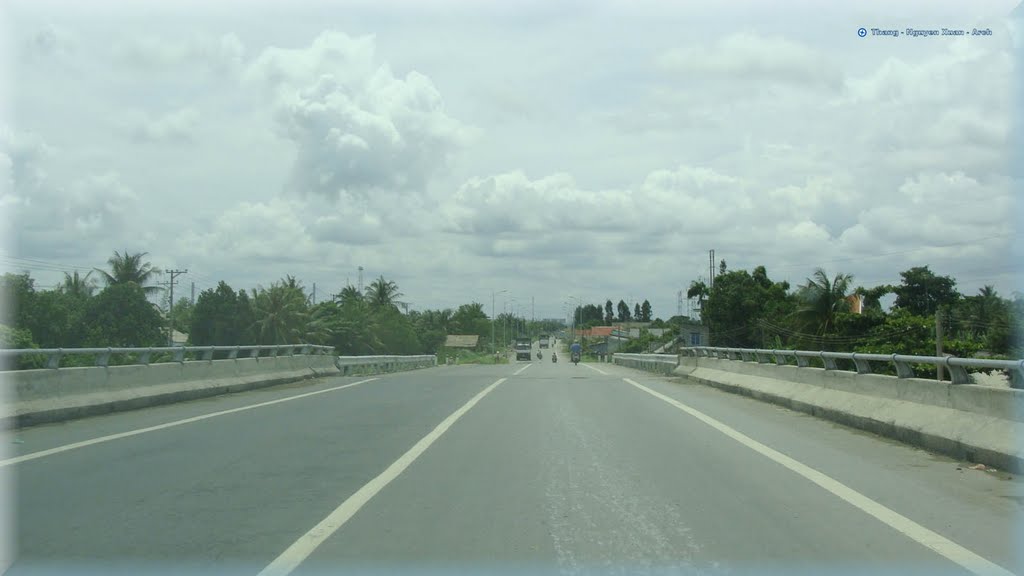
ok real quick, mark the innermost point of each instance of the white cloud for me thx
(752, 58)
(223, 54)
(175, 126)
(357, 128)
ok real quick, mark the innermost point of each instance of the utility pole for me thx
(711, 269)
(360, 279)
(938, 342)
(193, 293)
(170, 309)
(314, 293)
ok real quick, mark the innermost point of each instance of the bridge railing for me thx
(957, 367)
(178, 354)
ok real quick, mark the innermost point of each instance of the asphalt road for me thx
(550, 469)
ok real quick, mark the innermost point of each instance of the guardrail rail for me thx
(143, 355)
(957, 367)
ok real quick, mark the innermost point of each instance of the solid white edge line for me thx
(521, 369)
(596, 369)
(299, 551)
(119, 435)
(932, 540)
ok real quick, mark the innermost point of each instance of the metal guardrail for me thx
(957, 367)
(346, 363)
(102, 355)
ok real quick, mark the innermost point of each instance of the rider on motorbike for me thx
(576, 351)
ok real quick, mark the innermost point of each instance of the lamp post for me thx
(493, 294)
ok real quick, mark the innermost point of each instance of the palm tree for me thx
(383, 293)
(822, 300)
(130, 268)
(281, 315)
(78, 286)
(349, 296)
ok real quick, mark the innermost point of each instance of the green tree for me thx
(742, 309)
(700, 291)
(78, 286)
(18, 292)
(281, 314)
(383, 294)
(872, 297)
(721, 267)
(637, 315)
(922, 292)
(57, 319)
(609, 312)
(182, 315)
(19, 339)
(623, 311)
(645, 311)
(130, 268)
(821, 299)
(122, 316)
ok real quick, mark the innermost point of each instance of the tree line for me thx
(749, 310)
(112, 308)
(590, 315)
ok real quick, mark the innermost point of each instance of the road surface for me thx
(522, 468)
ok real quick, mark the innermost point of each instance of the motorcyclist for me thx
(576, 351)
(539, 354)
(554, 356)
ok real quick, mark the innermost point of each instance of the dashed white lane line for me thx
(118, 436)
(290, 559)
(935, 542)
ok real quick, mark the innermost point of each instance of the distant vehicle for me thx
(544, 340)
(523, 346)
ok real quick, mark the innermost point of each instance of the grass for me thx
(473, 357)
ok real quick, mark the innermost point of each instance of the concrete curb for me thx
(961, 435)
(82, 406)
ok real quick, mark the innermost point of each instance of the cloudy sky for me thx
(590, 149)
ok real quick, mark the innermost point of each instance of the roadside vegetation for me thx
(114, 307)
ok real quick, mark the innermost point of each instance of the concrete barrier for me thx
(964, 421)
(55, 395)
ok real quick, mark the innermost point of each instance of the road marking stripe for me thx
(303, 547)
(118, 436)
(521, 369)
(596, 369)
(913, 530)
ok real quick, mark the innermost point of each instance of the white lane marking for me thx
(908, 527)
(302, 548)
(521, 369)
(596, 369)
(118, 436)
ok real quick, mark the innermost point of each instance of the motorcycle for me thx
(554, 358)
(576, 359)
(539, 354)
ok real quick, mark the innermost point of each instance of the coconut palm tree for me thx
(281, 315)
(822, 299)
(78, 286)
(383, 293)
(130, 268)
(349, 296)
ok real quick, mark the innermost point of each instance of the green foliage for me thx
(125, 268)
(17, 291)
(821, 299)
(609, 312)
(645, 311)
(121, 317)
(922, 292)
(282, 313)
(903, 333)
(739, 305)
(624, 314)
(182, 315)
(220, 318)
(20, 338)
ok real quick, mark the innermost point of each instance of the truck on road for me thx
(523, 347)
(544, 341)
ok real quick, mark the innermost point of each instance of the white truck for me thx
(544, 341)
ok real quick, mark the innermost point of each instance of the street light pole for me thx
(493, 294)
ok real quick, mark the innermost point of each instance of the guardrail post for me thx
(208, 354)
(762, 358)
(780, 357)
(233, 354)
(254, 352)
(179, 355)
(957, 374)
(103, 358)
(903, 369)
(53, 360)
(830, 363)
(144, 357)
(863, 366)
(802, 361)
